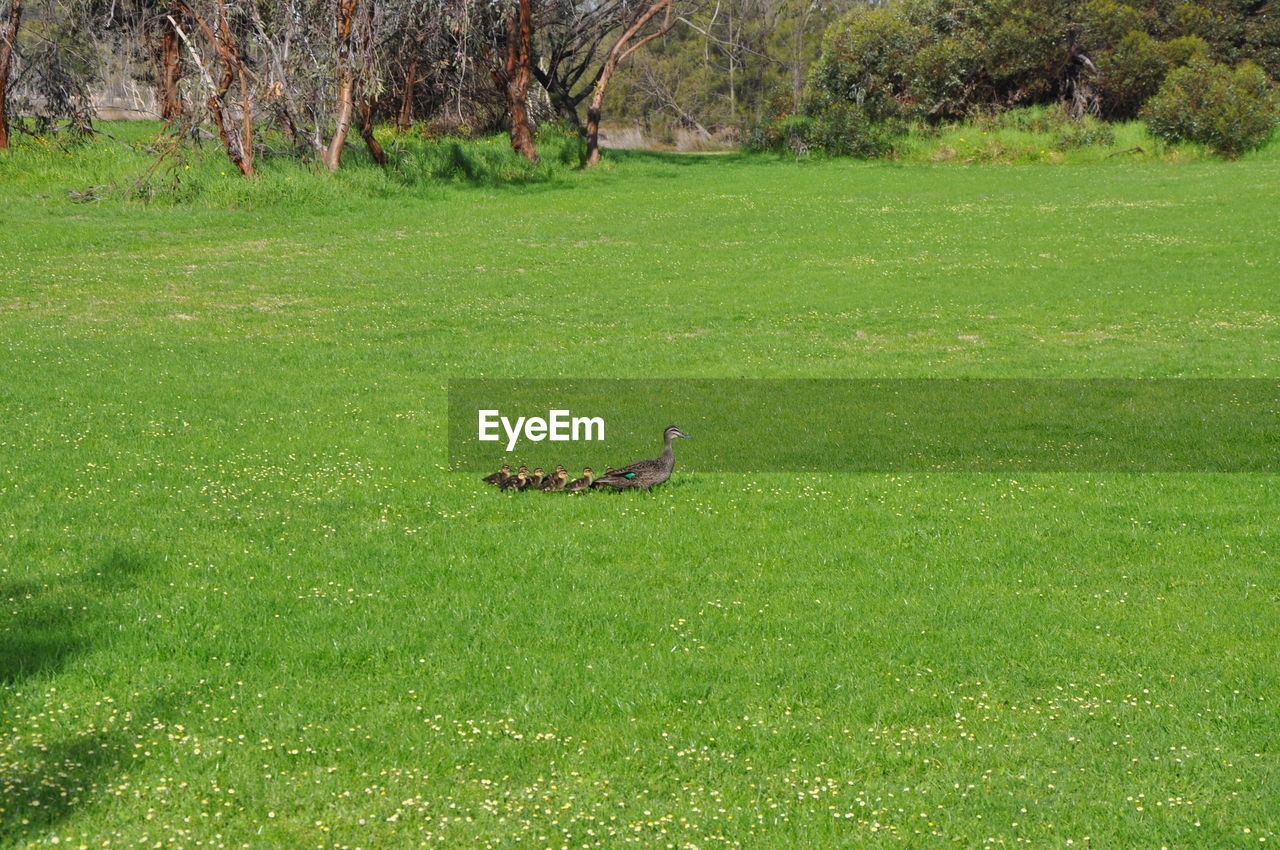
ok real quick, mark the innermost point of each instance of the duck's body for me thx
(499, 476)
(644, 473)
(535, 480)
(519, 481)
(582, 483)
(555, 481)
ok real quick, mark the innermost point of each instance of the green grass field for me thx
(243, 604)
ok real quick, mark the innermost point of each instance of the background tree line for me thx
(946, 60)
(309, 77)
(313, 75)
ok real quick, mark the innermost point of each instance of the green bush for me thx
(844, 129)
(1132, 72)
(1230, 110)
(784, 132)
(1107, 22)
(944, 60)
(840, 129)
(867, 60)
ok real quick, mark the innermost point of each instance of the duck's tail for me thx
(618, 481)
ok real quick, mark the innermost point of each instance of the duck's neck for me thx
(667, 454)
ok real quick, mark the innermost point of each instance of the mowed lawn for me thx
(244, 604)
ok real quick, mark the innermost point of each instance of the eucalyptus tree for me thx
(8, 38)
(569, 41)
(506, 48)
(494, 38)
(641, 22)
(48, 64)
(571, 47)
(214, 46)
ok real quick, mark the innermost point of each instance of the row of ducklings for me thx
(641, 475)
(539, 480)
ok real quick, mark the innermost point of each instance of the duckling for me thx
(535, 480)
(582, 483)
(645, 473)
(519, 481)
(555, 481)
(499, 476)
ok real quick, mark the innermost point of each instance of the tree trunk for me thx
(238, 144)
(240, 155)
(8, 37)
(332, 156)
(366, 132)
(617, 54)
(405, 119)
(364, 34)
(170, 74)
(519, 38)
(593, 127)
(567, 111)
(235, 69)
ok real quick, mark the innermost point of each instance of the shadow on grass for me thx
(40, 639)
(49, 770)
(53, 621)
(710, 159)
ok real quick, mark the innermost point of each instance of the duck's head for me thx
(586, 472)
(506, 469)
(673, 431)
(559, 469)
(524, 470)
(522, 474)
(538, 471)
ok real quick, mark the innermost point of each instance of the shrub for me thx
(784, 132)
(1230, 110)
(838, 129)
(1133, 71)
(866, 60)
(942, 84)
(843, 129)
(944, 60)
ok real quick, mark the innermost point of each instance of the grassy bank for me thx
(1031, 136)
(245, 606)
(1026, 136)
(134, 161)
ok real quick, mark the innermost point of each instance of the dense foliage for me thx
(1229, 109)
(940, 60)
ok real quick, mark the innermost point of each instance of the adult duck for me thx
(645, 473)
